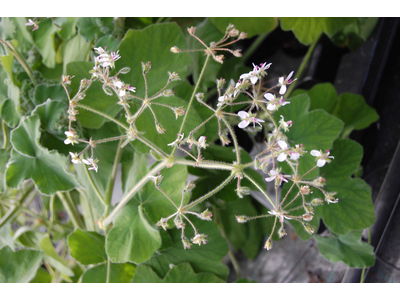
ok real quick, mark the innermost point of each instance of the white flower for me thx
(202, 142)
(177, 141)
(275, 174)
(122, 88)
(75, 158)
(32, 23)
(92, 162)
(247, 118)
(105, 59)
(285, 125)
(283, 154)
(71, 137)
(275, 103)
(199, 238)
(258, 72)
(283, 82)
(322, 158)
(280, 215)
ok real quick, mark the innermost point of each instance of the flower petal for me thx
(243, 124)
(243, 115)
(282, 90)
(321, 162)
(269, 96)
(315, 153)
(282, 157)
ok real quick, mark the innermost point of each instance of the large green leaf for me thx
(19, 266)
(11, 110)
(347, 248)
(68, 27)
(5, 236)
(23, 35)
(119, 273)
(3, 85)
(44, 41)
(182, 273)
(87, 247)
(30, 160)
(74, 50)
(49, 91)
(204, 258)
(52, 257)
(49, 113)
(95, 96)
(308, 30)
(7, 28)
(252, 26)
(94, 27)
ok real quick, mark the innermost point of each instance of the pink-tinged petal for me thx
(253, 79)
(244, 76)
(282, 90)
(321, 163)
(243, 115)
(315, 153)
(269, 179)
(259, 120)
(280, 80)
(243, 124)
(282, 157)
(271, 107)
(269, 96)
(273, 172)
(282, 144)
(294, 156)
(284, 179)
(289, 76)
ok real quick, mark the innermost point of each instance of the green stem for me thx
(210, 193)
(111, 182)
(102, 114)
(235, 142)
(260, 188)
(302, 67)
(71, 210)
(191, 100)
(254, 46)
(132, 192)
(21, 60)
(205, 164)
(108, 270)
(96, 190)
(5, 137)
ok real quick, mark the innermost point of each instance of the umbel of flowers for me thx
(260, 105)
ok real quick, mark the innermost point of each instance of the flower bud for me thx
(179, 111)
(242, 191)
(199, 238)
(220, 83)
(162, 223)
(307, 217)
(329, 197)
(241, 219)
(199, 96)
(191, 30)
(257, 164)
(160, 128)
(234, 32)
(308, 228)
(224, 140)
(174, 49)
(179, 223)
(66, 79)
(281, 232)
(230, 27)
(242, 35)
(190, 186)
(206, 215)
(268, 244)
(84, 83)
(186, 243)
(146, 67)
(125, 70)
(157, 179)
(308, 208)
(320, 181)
(174, 76)
(305, 190)
(316, 201)
(237, 53)
(219, 58)
(168, 93)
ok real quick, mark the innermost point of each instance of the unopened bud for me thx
(160, 128)
(179, 111)
(84, 83)
(219, 58)
(191, 30)
(316, 201)
(174, 76)
(230, 27)
(268, 244)
(305, 190)
(242, 35)
(320, 181)
(146, 67)
(179, 223)
(174, 49)
(157, 179)
(224, 140)
(162, 223)
(206, 215)
(199, 238)
(237, 53)
(190, 186)
(125, 70)
(242, 191)
(168, 93)
(66, 79)
(186, 243)
(308, 208)
(281, 232)
(257, 164)
(307, 217)
(234, 32)
(220, 83)
(308, 228)
(241, 219)
(199, 96)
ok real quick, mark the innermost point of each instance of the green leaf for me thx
(30, 160)
(23, 31)
(182, 273)
(354, 112)
(108, 41)
(5, 236)
(49, 113)
(95, 96)
(347, 248)
(3, 85)
(94, 27)
(308, 30)
(68, 27)
(355, 209)
(252, 26)
(42, 276)
(152, 44)
(132, 238)
(44, 41)
(204, 258)
(4, 156)
(50, 91)
(7, 28)
(19, 266)
(119, 273)
(10, 111)
(74, 50)
(355, 34)
(52, 257)
(87, 247)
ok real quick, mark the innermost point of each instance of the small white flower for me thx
(274, 102)
(75, 158)
(177, 141)
(202, 142)
(71, 138)
(322, 158)
(280, 214)
(247, 118)
(285, 125)
(92, 162)
(199, 238)
(283, 154)
(279, 177)
(283, 82)
(32, 23)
